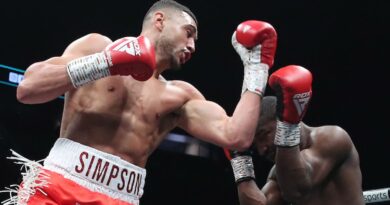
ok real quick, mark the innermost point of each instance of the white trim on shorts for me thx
(96, 170)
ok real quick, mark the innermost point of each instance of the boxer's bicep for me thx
(205, 120)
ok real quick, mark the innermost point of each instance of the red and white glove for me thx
(255, 42)
(126, 56)
(242, 164)
(292, 86)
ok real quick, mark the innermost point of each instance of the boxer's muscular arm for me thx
(244, 176)
(250, 194)
(46, 80)
(208, 121)
(300, 171)
(272, 191)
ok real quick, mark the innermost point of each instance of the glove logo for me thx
(300, 101)
(129, 46)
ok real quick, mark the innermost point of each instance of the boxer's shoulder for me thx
(187, 89)
(331, 140)
(88, 44)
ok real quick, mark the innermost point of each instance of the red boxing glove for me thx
(242, 164)
(255, 42)
(252, 33)
(132, 56)
(292, 85)
(126, 56)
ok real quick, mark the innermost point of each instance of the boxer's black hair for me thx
(170, 4)
(268, 109)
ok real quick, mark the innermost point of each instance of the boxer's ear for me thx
(159, 20)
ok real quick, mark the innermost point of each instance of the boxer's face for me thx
(177, 39)
(264, 140)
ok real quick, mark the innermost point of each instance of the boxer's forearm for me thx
(242, 124)
(43, 82)
(293, 172)
(250, 194)
(209, 122)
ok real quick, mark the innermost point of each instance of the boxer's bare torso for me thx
(117, 114)
(122, 116)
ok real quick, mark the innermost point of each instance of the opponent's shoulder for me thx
(332, 132)
(188, 89)
(87, 44)
(333, 140)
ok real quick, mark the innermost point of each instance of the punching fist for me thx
(242, 164)
(255, 42)
(292, 86)
(126, 56)
(132, 56)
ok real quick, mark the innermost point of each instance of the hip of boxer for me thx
(77, 174)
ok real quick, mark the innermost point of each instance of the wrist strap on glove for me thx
(287, 135)
(242, 168)
(255, 78)
(87, 69)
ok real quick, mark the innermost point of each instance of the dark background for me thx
(343, 43)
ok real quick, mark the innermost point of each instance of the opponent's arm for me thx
(244, 176)
(298, 172)
(250, 194)
(208, 121)
(85, 60)
(271, 190)
(292, 86)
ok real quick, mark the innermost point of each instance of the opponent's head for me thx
(172, 28)
(265, 133)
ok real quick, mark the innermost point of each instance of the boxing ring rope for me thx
(376, 195)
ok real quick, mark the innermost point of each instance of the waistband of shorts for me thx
(96, 170)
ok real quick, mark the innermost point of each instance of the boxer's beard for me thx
(166, 49)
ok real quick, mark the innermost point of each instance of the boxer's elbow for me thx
(31, 90)
(242, 145)
(24, 93)
(24, 89)
(239, 141)
(28, 94)
(27, 91)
